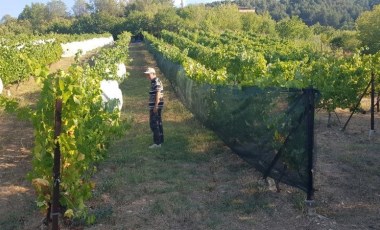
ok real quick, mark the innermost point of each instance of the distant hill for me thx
(335, 13)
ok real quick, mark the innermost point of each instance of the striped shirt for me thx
(156, 86)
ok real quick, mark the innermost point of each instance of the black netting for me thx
(266, 127)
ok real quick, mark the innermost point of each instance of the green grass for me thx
(298, 201)
(248, 201)
(190, 181)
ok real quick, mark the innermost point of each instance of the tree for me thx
(138, 21)
(149, 6)
(6, 18)
(227, 17)
(166, 19)
(60, 25)
(327, 12)
(293, 28)
(37, 11)
(12, 26)
(261, 24)
(56, 9)
(278, 12)
(111, 7)
(268, 25)
(83, 24)
(369, 30)
(192, 15)
(36, 14)
(81, 8)
(96, 23)
(346, 40)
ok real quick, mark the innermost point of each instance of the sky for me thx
(15, 7)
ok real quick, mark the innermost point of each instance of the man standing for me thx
(156, 103)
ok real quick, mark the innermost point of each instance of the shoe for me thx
(155, 146)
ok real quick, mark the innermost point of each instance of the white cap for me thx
(150, 70)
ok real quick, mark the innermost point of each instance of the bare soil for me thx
(347, 181)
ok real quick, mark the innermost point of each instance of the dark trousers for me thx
(155, 121)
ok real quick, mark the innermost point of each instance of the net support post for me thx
(310, 204)
(372, 130)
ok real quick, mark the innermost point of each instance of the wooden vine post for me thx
(57, 164)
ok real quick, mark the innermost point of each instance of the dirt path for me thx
(348, 172)
(16, 196)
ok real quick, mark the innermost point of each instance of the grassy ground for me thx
(194, 181)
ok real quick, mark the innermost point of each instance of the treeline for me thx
(153, 16)
(86, 16)
(335, 13)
